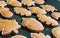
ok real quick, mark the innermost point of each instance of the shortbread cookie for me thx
(39, 1)
(7, 26)
(55, 15)
(37, 10)
(48, 8)
(32, 24)
(5, 12)
(48, 20)
(14, 3)
(56, 32)
(22, 11)
(40, 35)
(18, 36)
(2, 4)
(28, 2)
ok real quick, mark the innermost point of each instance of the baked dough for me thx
(56, 32)
(14, 3)
(22, 11)
(32, 24)
(48, 20)
(2, 4)
(49, 8)
(7, 26)
(37, 10)
(28, 2)
(5, 12)
(55, 15)
(40, 35)
(18, 36)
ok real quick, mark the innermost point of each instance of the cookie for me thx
(22, 11)
(18, 36)
(55, 15)
(37, 10)
(28, 2)
(7, 26)
(14, 3)
(56, 32)
(49, 8)
(5, 12)
(32, 24)
(2, 4)
(48, 20)
(40, 35)
(39, 1)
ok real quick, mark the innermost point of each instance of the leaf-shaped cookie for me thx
(56, 32)
(49, 8)
(7, 26)
(2, 3)
(32, 24)
(14, 3)
(40, 35)
(5, 12)
(39, 1)
(18, 36)
(48, 20)
(37, 10)
(55, 15)
(22, 11)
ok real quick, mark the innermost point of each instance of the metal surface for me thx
(25, 32)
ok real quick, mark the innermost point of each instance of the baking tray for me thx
(25, 32)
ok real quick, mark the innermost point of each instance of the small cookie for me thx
(14, 3)
(2, 4)
(56, 32)
(49, 8)
(5, 12)
(32, 24)
(48, 20)
(18, 36)
(22, 11)
(7, 26)
(40, 35)
(28, 2)
(55, 15)
(39, 1)
(37, 10)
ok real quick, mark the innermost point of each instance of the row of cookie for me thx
(55, 32)
(24, 2)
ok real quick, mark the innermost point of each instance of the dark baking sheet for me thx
(24, 31)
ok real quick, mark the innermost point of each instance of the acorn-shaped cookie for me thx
(55, 15)
(5, 12)
(56, 32)
(32, 24)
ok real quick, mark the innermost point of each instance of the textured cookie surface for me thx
(7, 26)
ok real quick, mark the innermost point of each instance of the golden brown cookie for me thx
(5, 12)
(56, 32)
(49, 8)
(14, 3)
(32, 24)
(48, 20)
(22, 11)
(2, 4)
(7, 26)
(39, 1)
(40, 35)
(18, 36)
(55, 15)
(37, 10)
(28, 2)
